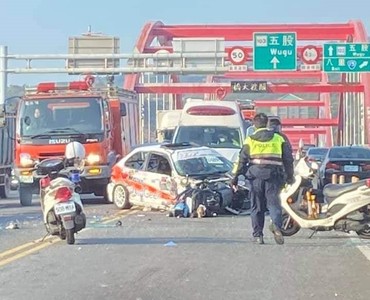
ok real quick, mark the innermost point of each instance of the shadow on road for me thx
(297, 243)
(157, 241)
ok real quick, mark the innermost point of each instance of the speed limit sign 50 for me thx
(237, 55)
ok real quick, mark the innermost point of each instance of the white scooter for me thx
(63, 212)
(346, 207)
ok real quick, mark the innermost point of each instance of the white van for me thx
(215, 124)
(167, 121)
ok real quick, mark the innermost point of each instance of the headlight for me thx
(184, 181)
(26, 160)
(93, 159)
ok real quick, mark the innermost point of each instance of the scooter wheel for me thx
(63, 234)
(70, 236)
(364, 234)
(290, 227)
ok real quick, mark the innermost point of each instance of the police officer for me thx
(275, 125)
(262, 158)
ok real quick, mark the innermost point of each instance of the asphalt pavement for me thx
(152, 256)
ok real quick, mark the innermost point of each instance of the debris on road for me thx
(170, 244)
(13, 225)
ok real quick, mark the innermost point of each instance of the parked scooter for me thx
(345, 207)
(63, 212)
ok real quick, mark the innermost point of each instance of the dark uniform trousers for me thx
(265, 196)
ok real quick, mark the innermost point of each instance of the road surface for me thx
(152, 256)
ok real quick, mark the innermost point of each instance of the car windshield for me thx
(200, 162)
(61, 115)
(350, 152)
(210, 136)
(317, 151)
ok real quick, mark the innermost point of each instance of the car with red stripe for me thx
(154, 175)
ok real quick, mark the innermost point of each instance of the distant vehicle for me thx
(316, 154)
(306, 147)
(345, 160)
(51, 115)
(7, 142)
(154, 175)
(167, 121)
(214, 124)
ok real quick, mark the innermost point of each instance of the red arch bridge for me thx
(315, 76)
(338, 101)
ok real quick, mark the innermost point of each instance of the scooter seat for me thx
(335, 190)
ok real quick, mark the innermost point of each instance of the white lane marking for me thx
(361, 245)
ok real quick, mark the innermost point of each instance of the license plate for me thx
(64, 208)
(350, 168)
(26, 178)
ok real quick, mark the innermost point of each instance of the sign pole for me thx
(3, 74)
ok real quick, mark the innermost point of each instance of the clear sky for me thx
(43, 26)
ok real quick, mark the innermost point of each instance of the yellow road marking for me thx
(23, 250)
(120, 215)
(27, 252)
(19, 248)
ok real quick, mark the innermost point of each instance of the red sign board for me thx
(237, 55)
(310, 55)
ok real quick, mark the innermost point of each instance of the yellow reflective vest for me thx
(266, 153)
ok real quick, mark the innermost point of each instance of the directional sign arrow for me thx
(274, 61)
(331, 49)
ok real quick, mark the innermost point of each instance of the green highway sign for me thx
(275, 51)
(346, 57)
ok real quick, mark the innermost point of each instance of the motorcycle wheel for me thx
(290, 227)
(364, 234)
(70, 236)
(63, 234)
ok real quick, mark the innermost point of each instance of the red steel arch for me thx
(317, 82)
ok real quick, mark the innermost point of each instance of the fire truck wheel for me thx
(104, 195)
(25, 196)
(5, 190)
(106, 198)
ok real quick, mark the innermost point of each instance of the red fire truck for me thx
(50, 115)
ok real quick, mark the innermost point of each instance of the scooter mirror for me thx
(314, 166)
(301, 144)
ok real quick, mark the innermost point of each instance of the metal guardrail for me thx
(165, 63)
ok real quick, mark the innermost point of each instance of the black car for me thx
(316, 154)
(345, 160)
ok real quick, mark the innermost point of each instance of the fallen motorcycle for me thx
(206, 197)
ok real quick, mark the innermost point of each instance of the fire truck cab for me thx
(51, 115)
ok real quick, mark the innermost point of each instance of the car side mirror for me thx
(123, 110)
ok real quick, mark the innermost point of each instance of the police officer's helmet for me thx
(274, 125)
